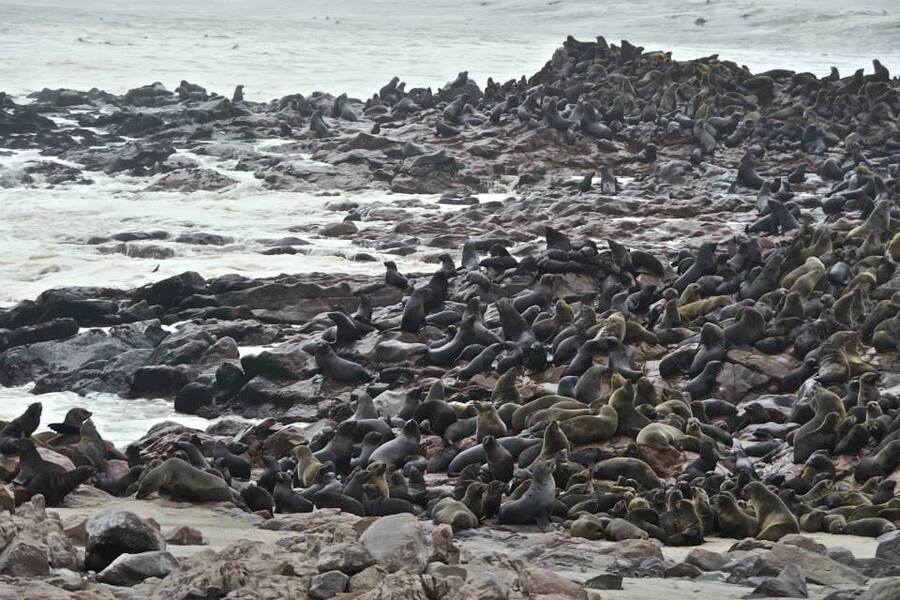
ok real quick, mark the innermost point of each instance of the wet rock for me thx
(129, 569)
(327, 585)
(115, 532)
(193, 397)
(138, 251)
(54, 329)
(398, 543)
(191, 180)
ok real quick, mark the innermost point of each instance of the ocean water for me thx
(279, 47)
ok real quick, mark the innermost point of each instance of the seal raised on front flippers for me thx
(185, 483)
(535, 504)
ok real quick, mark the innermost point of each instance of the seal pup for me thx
(501, 463)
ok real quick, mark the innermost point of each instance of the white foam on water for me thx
(280, 47)
(119, 420)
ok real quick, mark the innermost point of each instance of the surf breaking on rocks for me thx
(699, 342)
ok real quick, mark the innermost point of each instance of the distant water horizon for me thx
(280, 47)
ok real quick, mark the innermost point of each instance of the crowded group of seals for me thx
(549, 372)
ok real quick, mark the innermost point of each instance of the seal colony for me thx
(550, 372)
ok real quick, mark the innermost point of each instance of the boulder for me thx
(280, 443)
(398, 543)
(706, 560)
(23, 558)
(536, 581)
(790, 583)
(130, 569)
(819, 569)
(347, 558)
(367, 579)
(116, 532)
(889, 547)
(327, 585)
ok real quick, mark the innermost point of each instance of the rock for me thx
(440, 570)
(882, 590)
(774, 366)
(606, 581)
(192, 397)
(443, 549)
(324, 520)
(736, 381)
(682, 569)
(75, 529)
(536, 581)
(396, 585)
(280, 443)
(889, 546)
(803, 541)
(21, 558)
(488, 586)
(790, 583)
(242, 570)
(185, 536)
(327, 585)
(819, 569)
(346, 558)
(367, 579)
(115, 532)
(706, 560)
(129, 569)
(633, 549)
(398, 543)
(7, 497)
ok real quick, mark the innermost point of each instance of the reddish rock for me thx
(443, 549)
(538, 582)
(7, 497)
(74, 528)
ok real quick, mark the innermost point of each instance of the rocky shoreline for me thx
(683, 323)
